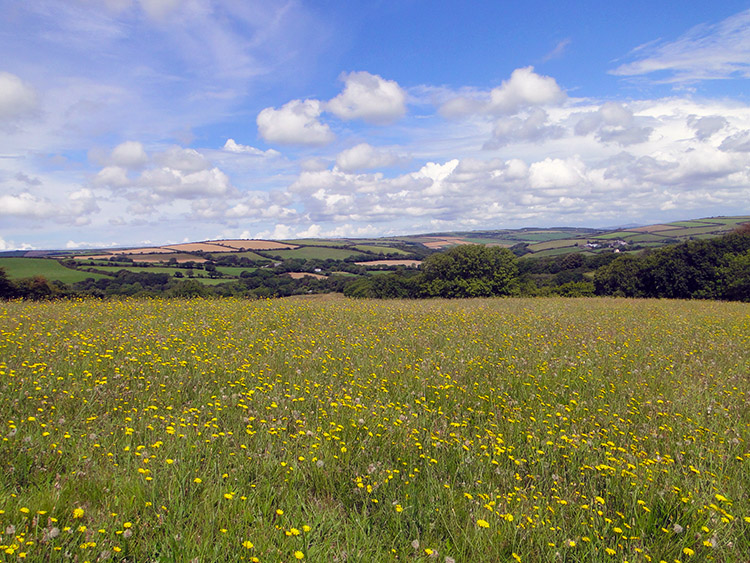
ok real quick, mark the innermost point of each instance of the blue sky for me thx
(128, 122)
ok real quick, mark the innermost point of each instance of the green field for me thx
(314, 252)
(18, 268)
(561, 243)
(617, 235)
(379, 249)
(315, 242)
(246, 254)
(487, 430)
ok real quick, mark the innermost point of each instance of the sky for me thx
(148, 122)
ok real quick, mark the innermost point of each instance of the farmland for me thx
(332, 429)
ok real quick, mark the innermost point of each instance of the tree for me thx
(7, 287)
(470, 270)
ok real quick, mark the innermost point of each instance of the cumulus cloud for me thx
(369, 97)
(17, 98)
(72, 245)
(524, 88)
(556, 173)
(295, 123)
(112, 177)
(172, 182)
(175, 173)
(129, 154)
(184, 160)
(76, 208)
(533, 127)
(366, 157)
(26, 205)
(613, 123)
(232, 146)
(705, 52)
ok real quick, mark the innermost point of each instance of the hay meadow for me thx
(353, 430)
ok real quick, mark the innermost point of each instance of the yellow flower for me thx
(483, 523)
(299, 555)
(247, 544)
(78, 513)
(689, 552)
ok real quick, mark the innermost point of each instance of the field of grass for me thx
(380, 249)
(314, 252)
(18, 268)
(315, 242)
(617, 235)
(560, 243)
(331, 430)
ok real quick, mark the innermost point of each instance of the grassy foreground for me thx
(336, 430)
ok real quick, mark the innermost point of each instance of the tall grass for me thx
(336, 430)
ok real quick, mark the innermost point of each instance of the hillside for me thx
(287, 267)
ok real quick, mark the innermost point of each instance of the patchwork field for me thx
(17, 268)
(338, 430)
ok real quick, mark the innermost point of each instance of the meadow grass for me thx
(339, 430)
(17, 268)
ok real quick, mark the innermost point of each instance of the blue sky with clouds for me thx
(127, 122)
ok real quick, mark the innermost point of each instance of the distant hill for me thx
(216, 260)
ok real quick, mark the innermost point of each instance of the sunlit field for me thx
(336, 430)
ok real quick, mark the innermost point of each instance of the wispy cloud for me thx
(705, 52)
(558, 51)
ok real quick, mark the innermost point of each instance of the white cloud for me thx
(26, 205)
(295, 123)
(613, 123)
(232, 146)
(171, 182)
(72, 245)
(12, 245)
(370, 98)
(17, 98)
(533, 127)
(175, 173)
(279, 232)
(556, 173)
(366, 157)
(112, 177)
(184, 160)
(705, 52)
(81, 205)
(129, 154)
(525, 88)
